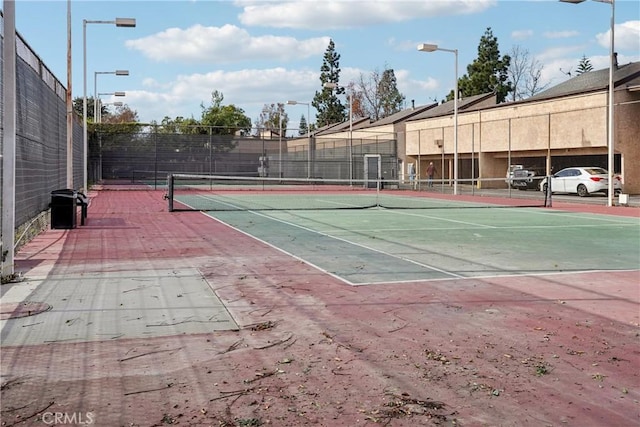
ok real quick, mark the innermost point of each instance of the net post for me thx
(548, 193)
(170, 191)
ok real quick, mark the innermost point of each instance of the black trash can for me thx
(63, 208)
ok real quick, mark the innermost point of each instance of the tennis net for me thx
(241, 193)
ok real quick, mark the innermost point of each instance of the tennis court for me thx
(477, 312)
(369, 237)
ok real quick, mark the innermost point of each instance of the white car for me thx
(582, 181)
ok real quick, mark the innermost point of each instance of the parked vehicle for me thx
(582, 181)
(526, 178)
(512, 168)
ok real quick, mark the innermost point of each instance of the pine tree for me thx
(488, 72)
(326, 102)
(584, 66)
(304, 127)
(391, 100)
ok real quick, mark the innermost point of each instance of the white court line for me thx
(587, 215)
(475, 224)
(510, 227)
(498, 276)
(539, 211)
(430, 267)
(216, 199)
(342, 279)
(445, 272)
(290, 224)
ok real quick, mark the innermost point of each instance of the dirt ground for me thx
(560, 350)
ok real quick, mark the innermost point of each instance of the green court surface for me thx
(381, 245)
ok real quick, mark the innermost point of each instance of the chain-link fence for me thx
(41, 136)
(148, 154)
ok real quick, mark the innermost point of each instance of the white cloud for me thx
(521, 34)
(314, 14)
(152, 83)
(560, 52)
(560, 34)
(627, 36)
(561, 60)
(428, 85)
(221, 45)
(248, 89)
(406, 45)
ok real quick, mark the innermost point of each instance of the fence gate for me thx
(372, 170)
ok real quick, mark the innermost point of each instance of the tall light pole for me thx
(119, 22)
(331, 85)
(98, 118)
(424, 47)
(8, 152)
(610, 113)
(69, 102)
(95, 89)
(280, 143)
(308, 133)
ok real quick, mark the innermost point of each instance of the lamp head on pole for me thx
(125, 22)
(426, 47)
(122, 72)
(113, 93)
(292, 102)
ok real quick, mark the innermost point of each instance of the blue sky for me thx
(264, 52)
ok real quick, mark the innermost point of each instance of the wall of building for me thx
(627, 138)
(552, 130)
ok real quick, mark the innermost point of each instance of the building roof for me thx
(358, 123)
(403, 115)
(625, 77)
(447, 108)
(591, 81)
(325, 128)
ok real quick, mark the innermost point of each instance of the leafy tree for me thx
(378, 96)
(180, 125)
(525, 74)
(326, 101)
(123, 120)
(122, 114)
(368, 99)
(224, 119)
(488, 72)
(270, 118)
(356, 95)
(78, 107)
(584, 66)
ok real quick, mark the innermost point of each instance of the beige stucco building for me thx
(563, 126)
